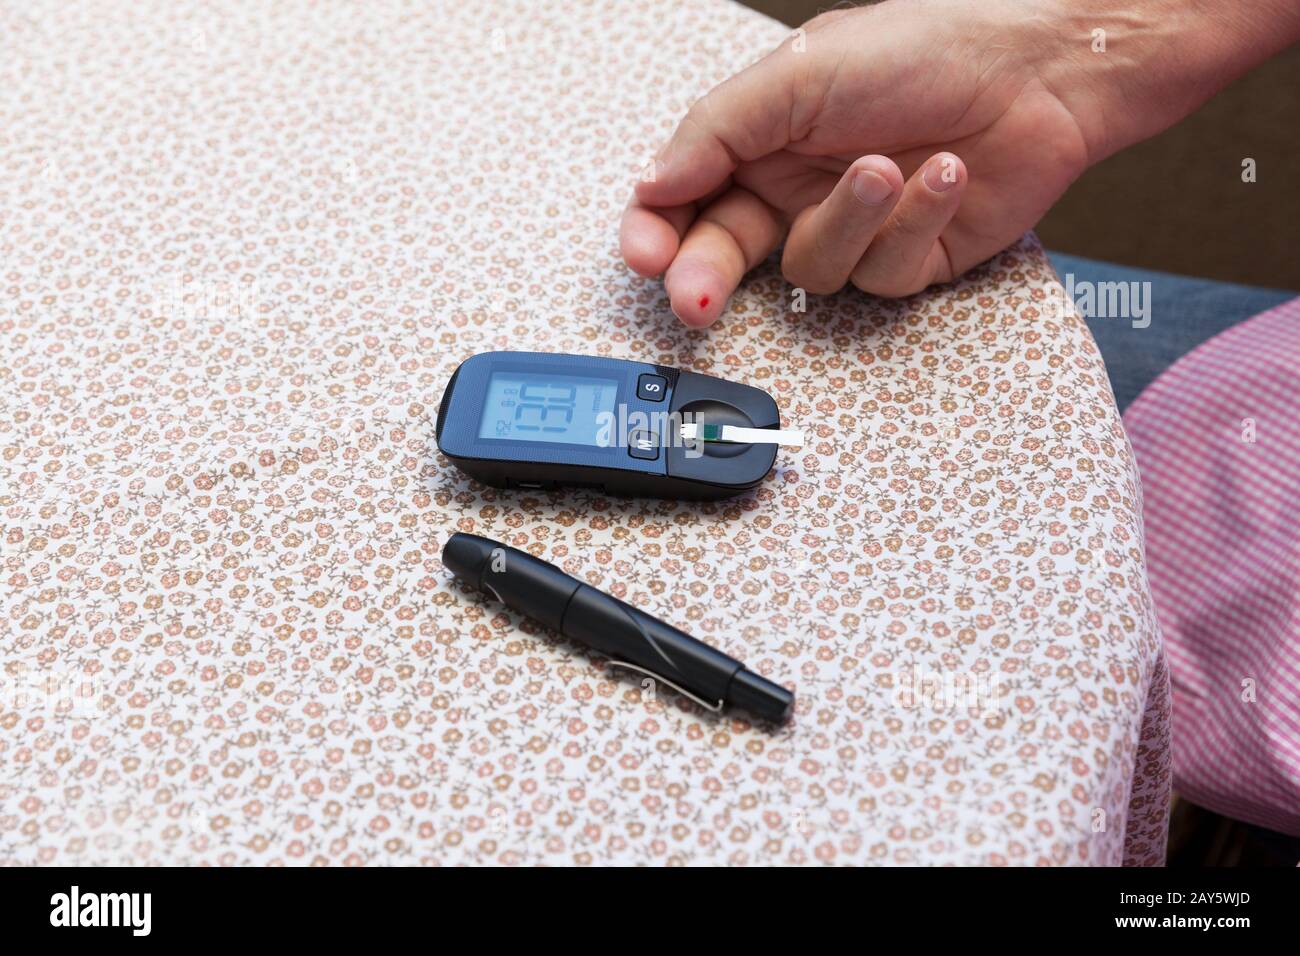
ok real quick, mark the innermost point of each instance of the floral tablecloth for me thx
(242, 248)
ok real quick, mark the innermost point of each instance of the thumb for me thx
(744, 118)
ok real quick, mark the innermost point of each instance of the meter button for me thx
(642, 444)
(651, 388)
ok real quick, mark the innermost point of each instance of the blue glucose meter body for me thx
(539, 420)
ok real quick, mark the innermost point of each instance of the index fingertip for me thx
(697, 293)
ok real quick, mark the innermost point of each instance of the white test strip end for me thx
(737, 435)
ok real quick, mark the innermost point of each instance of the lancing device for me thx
(628, 637)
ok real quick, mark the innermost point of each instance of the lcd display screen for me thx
(555, 408)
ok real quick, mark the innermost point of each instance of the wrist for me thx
(1127, 69)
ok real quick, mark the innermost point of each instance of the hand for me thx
(896, 146)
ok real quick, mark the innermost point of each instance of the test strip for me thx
(736, 434)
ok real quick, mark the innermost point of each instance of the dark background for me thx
(1177, 202)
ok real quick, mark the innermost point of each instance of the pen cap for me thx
(760, 696)
(466, 555)
(513, 577)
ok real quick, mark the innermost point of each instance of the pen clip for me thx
(712, 708)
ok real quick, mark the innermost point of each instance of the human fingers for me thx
(908, 253)
(731, 235)
(648, 238)
(828, 239)
(742, 119)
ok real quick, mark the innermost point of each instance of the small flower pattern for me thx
(244, 246)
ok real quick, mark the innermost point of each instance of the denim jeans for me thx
(1183, 313)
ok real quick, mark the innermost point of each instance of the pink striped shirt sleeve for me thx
(1217, 439)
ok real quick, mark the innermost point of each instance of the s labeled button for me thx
(651, 388)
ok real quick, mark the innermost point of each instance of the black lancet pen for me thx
(628, 637)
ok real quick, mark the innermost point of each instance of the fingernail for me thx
(871, 187)
(941, 175)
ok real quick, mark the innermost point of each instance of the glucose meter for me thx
(539, 420)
